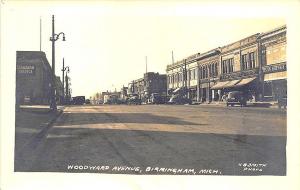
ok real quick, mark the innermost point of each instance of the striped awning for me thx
(231, 83)
(245, 81)
(219, 85)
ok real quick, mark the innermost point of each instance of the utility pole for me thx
(146, 64)
(132, 87)
(63, 79)
(40, 34)
(67, 69)
(184, 78)
(53, 38)
(67, 87)
(53, 100)
(172, 57)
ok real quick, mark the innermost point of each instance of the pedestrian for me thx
(224, 97)
(217, 97)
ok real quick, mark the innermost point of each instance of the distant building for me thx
(33, 78)
(59, 90)
(155, 83)
(123, 92)
(151, 83)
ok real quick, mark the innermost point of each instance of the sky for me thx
(107, 42)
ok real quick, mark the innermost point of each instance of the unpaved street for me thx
(156, 139)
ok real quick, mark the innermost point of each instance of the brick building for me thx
(273, 61)
(239, 67)
(255, 65)
(33, 78)
(150, 83)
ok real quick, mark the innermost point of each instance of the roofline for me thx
(269, 32)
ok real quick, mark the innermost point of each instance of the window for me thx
(244, 62)
(231, 65)
(227, 66)
(252, 60)
(201, 73)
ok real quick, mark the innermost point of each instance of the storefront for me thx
(246, 85)
(275, 81)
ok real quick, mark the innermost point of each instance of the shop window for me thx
(267, 89)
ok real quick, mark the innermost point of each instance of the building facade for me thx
(33, 78)
(239, 68)
(209, 72)
(154, 83)
(151, 83)
(59, 90)
(255, 65)
(273, 64)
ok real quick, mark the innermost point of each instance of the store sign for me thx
(207, 80)
(240, 74)
(274, 68)
(25, 69)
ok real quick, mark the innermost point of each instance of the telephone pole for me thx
(54, 38)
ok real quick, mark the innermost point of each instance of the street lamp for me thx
(67, 69)
(54, 38)
(67, 83)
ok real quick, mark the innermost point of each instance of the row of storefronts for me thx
(255, 65)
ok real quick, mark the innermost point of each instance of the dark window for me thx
(244, 62)
(251, 60)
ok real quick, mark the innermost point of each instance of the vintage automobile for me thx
(236, 97)
(134, 99)
(87, 101)
(156, 98)
(27, 100)
(282, 102)
(178, 99)
(78, 100)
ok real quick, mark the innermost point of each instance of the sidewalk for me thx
(249, 104)
(32, 121)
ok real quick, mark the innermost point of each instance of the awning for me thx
(219, 85)
(231, 83)
(245, 81)
(176, 90)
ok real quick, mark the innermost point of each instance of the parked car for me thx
(178, 99)
(282, 102)
(236, 97)
(78, 100)
(87, 101)
(134, 99)
(156, 98)
(27, 100)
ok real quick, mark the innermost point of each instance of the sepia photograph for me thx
(148, 89)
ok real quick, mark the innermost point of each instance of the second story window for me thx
(251, 60)
(227, 65)
(244, 62)
(248, 61)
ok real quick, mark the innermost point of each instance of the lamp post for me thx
(54, 38)
(67, 69)
(67, 83)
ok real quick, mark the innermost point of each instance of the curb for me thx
(34, 141)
